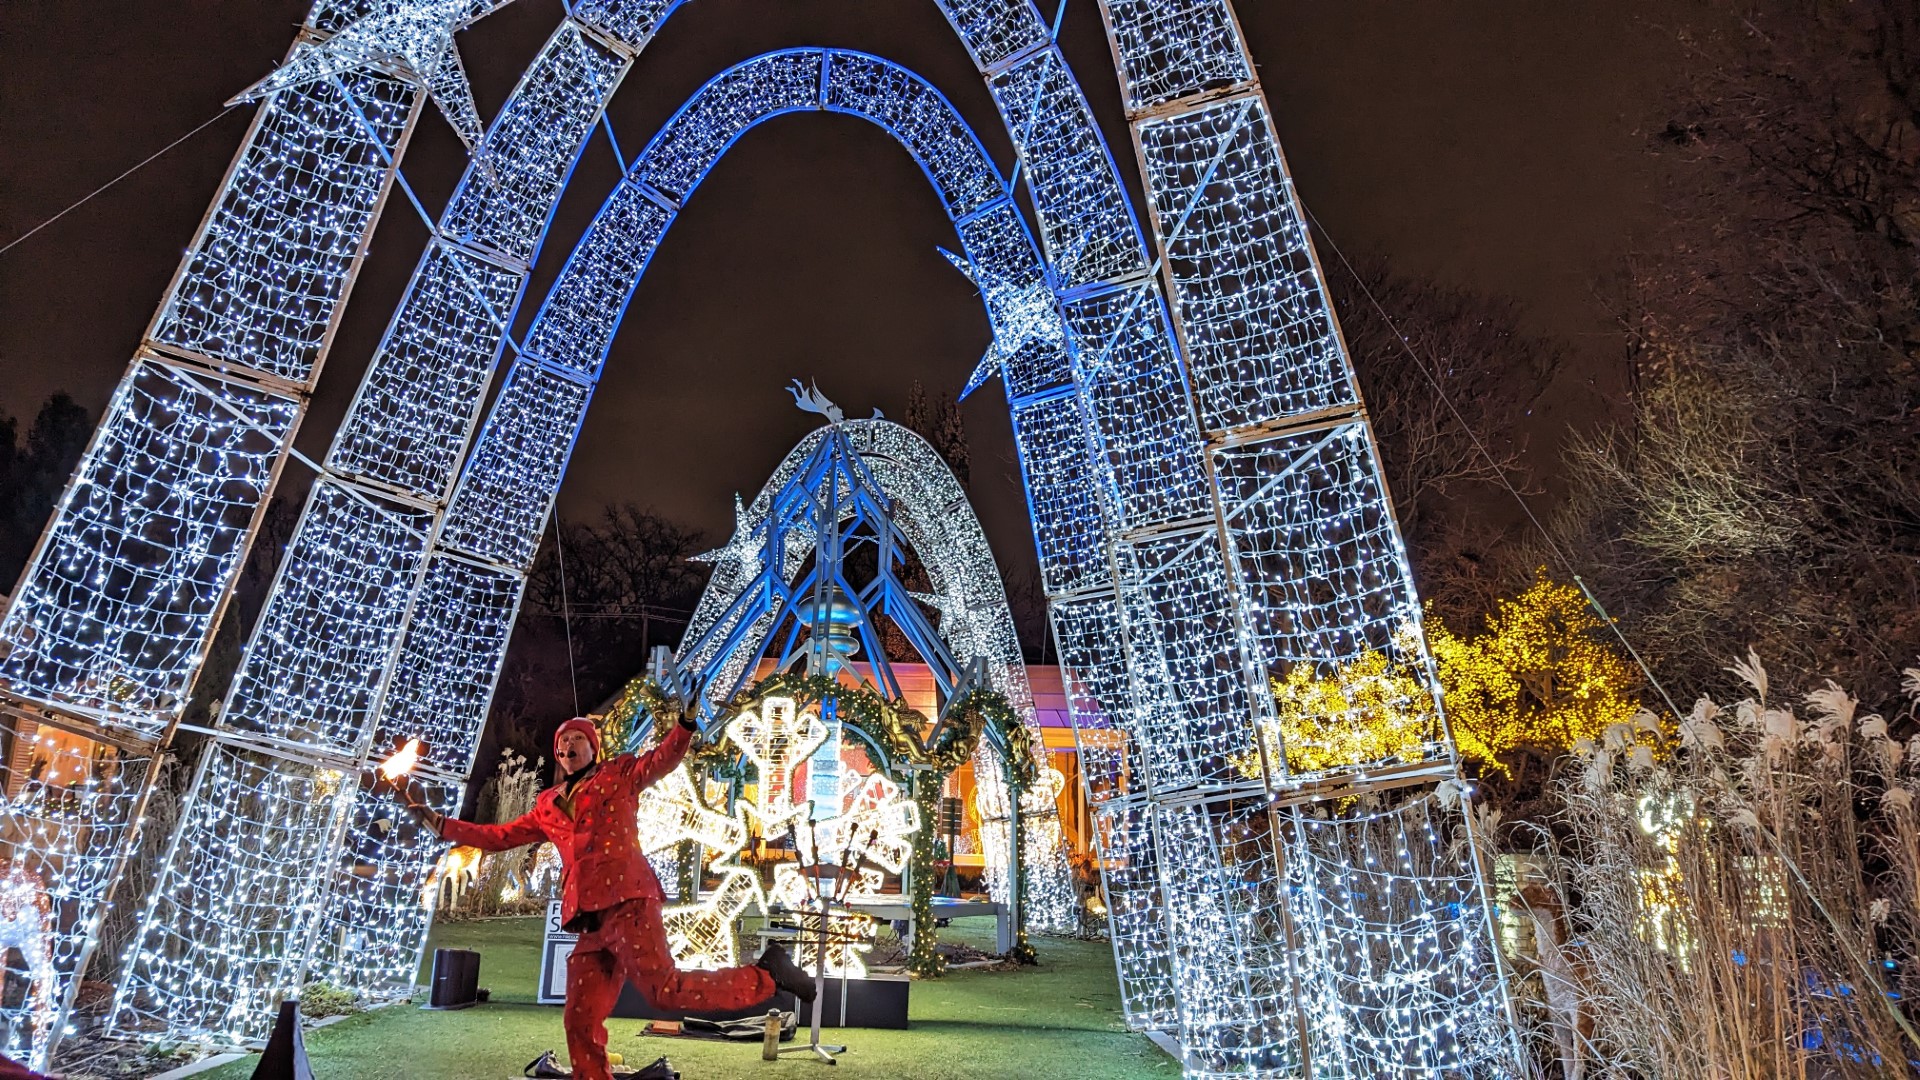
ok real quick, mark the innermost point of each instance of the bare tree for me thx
(1448, 377)
(600, 595)
(1763, 494)
(938, 421)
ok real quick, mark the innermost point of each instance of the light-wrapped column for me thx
(372, 926)
(1400, 976)
(1136, 911)
(362, 583)
(1228, 926)
(257, 295)
(309, 674)
(1191, 700)
(238, 891)
(1317, 581)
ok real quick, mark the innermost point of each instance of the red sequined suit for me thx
(610, 894)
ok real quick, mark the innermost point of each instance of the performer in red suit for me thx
(609, 895)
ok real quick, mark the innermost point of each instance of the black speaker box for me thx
(456, 979)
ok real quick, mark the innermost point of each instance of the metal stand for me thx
(823, 1051)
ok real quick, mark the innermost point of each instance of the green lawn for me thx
(1057, 1021)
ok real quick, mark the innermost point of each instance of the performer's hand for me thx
(687, 721)
(429, 818)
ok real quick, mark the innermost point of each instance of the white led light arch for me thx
(1199, 468)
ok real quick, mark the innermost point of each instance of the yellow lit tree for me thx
(1375, 708)
(1540, 677)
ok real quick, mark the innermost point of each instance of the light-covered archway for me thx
(1205, 504)
(741, 607)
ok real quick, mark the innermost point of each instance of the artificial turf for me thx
(1059, 1020)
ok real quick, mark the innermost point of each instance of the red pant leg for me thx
(593, 985)
(634, 933)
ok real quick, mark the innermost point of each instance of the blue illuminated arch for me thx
(500, 508)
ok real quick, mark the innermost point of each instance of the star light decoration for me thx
(415, 34)
(1022, 313)
(740, 555)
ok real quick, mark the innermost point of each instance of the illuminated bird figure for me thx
(415, 34)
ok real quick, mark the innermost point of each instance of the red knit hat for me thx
(585, 727)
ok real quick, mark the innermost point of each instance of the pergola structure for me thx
(1205, 501)
(783, 589)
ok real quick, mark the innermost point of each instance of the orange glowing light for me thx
(401, 761)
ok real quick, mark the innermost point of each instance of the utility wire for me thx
(144, 162)
(1499, 471)
(560, 551)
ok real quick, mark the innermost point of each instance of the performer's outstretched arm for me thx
(521, 830)
(644, 770)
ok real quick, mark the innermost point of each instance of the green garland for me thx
(923, 958)
(896, 726)
(643, 700)
(1022, 951)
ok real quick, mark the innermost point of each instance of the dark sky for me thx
(1492, 143)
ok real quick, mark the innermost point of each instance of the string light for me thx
(67, 804)
(419, 33)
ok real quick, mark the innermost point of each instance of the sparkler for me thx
(398, 767)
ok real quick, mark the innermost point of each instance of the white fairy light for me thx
(776, 737)
(701, 936)
(671, 812)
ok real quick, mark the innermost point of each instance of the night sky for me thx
(1491, 143)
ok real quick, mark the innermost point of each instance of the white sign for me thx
(554, 951)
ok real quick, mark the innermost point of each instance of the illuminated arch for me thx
(748, 595)
(1205, 501)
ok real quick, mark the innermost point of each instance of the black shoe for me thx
(546, 1067)
(787, 975)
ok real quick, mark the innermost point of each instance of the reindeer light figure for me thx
(451, 877)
